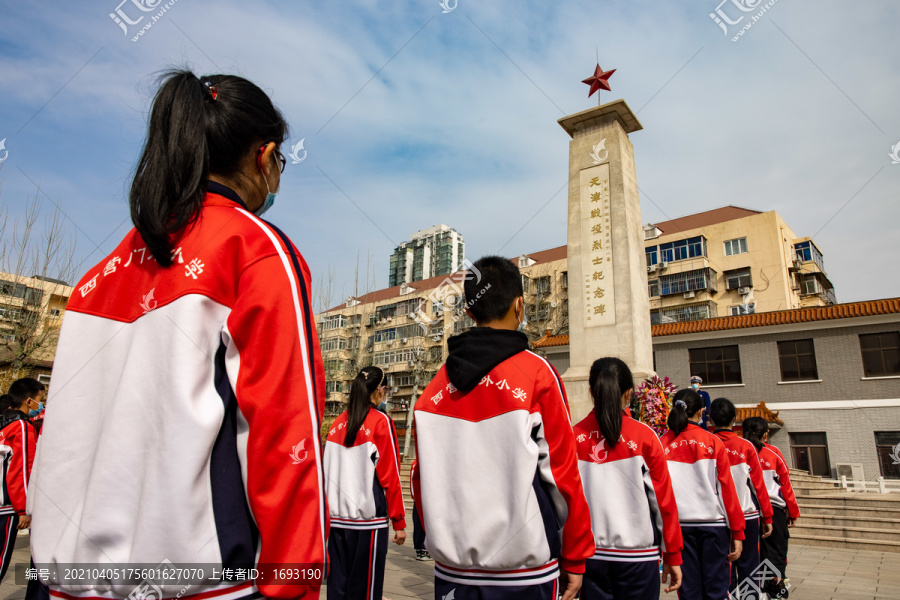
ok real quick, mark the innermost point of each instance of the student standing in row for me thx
(712, 521)
(176, 351)
(784, 503)
(626, 481)
(497, 481)
(362, 482)
(751, 488)
(17, 445)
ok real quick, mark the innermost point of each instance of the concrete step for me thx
(875, 513)
(863, 533)
(807, 539)
(853, 519)
(852, 500)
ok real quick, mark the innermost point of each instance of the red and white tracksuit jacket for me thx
(363, 482)
(778, 481)
(497, 479)
(747, 474)
(183, 421)
(17, 442)
(629, 493)
(701, 478)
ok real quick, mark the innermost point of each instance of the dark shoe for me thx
(423, 555)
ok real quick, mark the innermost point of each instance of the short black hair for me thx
(25, 388)
(491, 286)
(722, 412)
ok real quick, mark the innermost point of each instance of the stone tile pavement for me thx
(815, 573)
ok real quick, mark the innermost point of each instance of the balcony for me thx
(688, 281)
(694, 311)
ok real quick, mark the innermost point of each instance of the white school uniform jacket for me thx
(701, 478)
(183, 419)
(497, 483)
(363, 481)
(629, 492)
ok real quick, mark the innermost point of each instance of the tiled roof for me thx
(544, 256)
(705, 219)
(781, 317)
(760, 410)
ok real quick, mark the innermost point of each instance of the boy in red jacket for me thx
(497, 483)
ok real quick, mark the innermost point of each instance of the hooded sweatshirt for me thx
(495, 451)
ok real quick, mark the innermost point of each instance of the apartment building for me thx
(731, 261)
(31, 312)
(432, 252)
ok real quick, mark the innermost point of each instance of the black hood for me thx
(475, 353)
(10, 415)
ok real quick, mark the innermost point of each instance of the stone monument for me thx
(609, 307)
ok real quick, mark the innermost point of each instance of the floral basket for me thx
(654, 400)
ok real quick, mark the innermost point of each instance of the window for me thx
(334, 322)
(654, 287)
(334, 387)
(807, 251)
(55, 312)
(684, 312)
(652, 255)
(8, 288)
(735, 246)
(688, 281)
(810, 285)
(542, 286)
(690, 248)
(565, 279)
(435, 354)
(44, 378)
(334, 343)
(887, 446)
(743, 309)
(798, 360)
(810, 453)
(880, 354)
(738, 278)
(525, 282)
(717, 366)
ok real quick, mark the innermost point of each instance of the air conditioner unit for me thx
(390, 343)
(663, 265)
(852, 471)
(411, 364)
(436, 338)
(690, 294)
(743, 291)
(652, 269)
(403, 341)
(394, 389)
(389, 319)
(797, 264)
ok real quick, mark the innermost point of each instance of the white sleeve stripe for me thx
(304, 352)
(559, 387)
(24, 459)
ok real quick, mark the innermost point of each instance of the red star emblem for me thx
(599, 80)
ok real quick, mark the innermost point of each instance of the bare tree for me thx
(37, 268)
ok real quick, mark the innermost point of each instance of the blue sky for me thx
(412, 117)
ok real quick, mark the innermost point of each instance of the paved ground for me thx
(815, 574)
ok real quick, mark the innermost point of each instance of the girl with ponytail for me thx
(626, 481)
(712, 519)
(199, 327)
(362, 481)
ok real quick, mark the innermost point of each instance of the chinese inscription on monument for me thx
(597, 265)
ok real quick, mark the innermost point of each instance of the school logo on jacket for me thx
(148, 302)
(450, 596)
(596, 455)
(299, 453)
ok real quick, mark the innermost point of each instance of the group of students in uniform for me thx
(180, 346)
(515, 501)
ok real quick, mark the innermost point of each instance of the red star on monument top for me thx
(599, 80)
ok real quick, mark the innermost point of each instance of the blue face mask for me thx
(36, 411)
(383, 406)
(695, 386)
(524, 321)
(268, 202)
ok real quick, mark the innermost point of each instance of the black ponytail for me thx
(722, 412)
(754, 429)
(685, 404)
(609, 379)
(197, 126)
(365, 384)
(7, 402)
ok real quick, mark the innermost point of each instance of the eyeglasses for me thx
(278, 155)
(386, 390)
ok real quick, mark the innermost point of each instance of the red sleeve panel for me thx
(787, 490)
(21, 437)
(728, 493)
(665, 499)
(387, 468)
(273, 358)
(577, 539)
